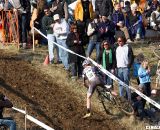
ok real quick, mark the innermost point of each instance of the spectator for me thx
(137, 103)
(155, 97)
(145, 79)
(61, 30)
(155, 19)
(108, 60)
(23, 8)
(152, 7)
(94, 40)
(83, 14)
(60, 7)
(106, 30)
(104, 7)
(5, 103)
(134, 23)
(119, 21)
(47, 24)
(74, 43)
(136, 65)
(124, 58)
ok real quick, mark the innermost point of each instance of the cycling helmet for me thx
(86, 62)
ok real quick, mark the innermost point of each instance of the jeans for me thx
(63, 54)
(91, 46)
(23, 28)
(123, 74)
(76, 67)
(108, 80)
(51, 47)
(10, 123)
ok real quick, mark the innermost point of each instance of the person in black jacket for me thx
(24, 14)
(104, 7)
(5, 103)
(74, 43)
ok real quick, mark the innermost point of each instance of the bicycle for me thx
(114, 102)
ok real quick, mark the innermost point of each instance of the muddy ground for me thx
(50, 102)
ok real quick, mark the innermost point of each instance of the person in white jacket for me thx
(61, 30)
(94, 40)
(155, 19)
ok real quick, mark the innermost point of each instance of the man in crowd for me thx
(119, 20)
(23, 8)
(47, 23)
(124, 58)
(61, 30)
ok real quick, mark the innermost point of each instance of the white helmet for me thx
(86, 62)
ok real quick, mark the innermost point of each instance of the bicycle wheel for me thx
(124, 105)
(108, 102)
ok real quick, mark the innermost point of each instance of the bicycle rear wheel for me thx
(124, 105)
(108, 102)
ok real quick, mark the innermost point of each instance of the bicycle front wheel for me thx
(124, 105)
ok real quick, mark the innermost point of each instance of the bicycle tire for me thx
(109, 105)
(124, 105)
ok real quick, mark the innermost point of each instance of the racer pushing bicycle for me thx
(92, 78)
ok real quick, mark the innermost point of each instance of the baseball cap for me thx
(153, 91)
(56, 17)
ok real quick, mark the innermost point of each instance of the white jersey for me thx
(89, 72)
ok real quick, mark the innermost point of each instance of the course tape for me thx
(33, 119)
(107, 73)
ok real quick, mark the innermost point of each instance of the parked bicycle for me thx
(112, 102)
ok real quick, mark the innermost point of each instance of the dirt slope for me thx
(54, 104)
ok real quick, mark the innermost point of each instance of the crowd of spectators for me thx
(98, 28)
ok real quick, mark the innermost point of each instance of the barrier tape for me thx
(108, 73)
(33, 119)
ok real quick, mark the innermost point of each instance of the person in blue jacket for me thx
(144, 78)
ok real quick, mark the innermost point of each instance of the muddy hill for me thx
(59, 106)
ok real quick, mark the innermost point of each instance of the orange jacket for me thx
(78, 12)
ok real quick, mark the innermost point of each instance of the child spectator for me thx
(136, 65)
(144, 77)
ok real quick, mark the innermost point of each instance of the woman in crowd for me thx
(74, 43)
(108, 60)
